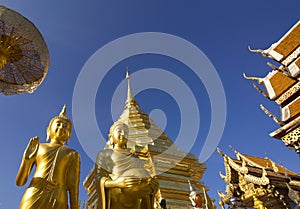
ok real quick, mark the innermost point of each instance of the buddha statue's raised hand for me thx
(27, 160)
(32, 148)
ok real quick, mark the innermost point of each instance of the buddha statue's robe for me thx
(111, 164)
(56, 175)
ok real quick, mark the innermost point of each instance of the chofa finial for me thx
(262, 52)
(233, 149)
(220, 152)
(259, 80)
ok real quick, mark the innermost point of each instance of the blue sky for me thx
(75, 30)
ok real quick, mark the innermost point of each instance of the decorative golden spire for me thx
(129, 93)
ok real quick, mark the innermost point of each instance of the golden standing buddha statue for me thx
(57, 169)
(122, 182)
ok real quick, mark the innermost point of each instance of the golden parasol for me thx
(24, 56)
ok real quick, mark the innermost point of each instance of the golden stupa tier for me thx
(173, 173)
(163, 159)
(260, 181)
(90, 187)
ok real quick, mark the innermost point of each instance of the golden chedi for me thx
(150, 144)
(57, 169)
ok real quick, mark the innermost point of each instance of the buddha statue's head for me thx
(118, 135)
(60, 127)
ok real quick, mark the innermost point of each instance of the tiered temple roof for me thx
(172, 167)
(283, 87)
(258, 180)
